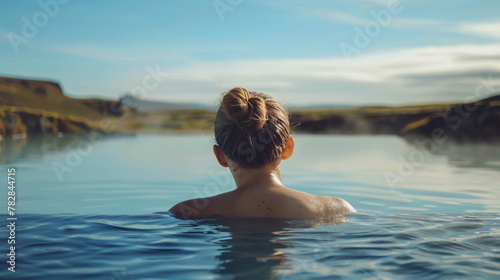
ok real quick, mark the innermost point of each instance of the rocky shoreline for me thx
(20, 121)
(471, 122)
(29, 107)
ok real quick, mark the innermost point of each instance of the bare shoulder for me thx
(204, 206)
(195, 208)
(188, 209)
(337, 205)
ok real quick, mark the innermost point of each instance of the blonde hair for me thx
(251, 128)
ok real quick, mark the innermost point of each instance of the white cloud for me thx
(426, 74)
(339, 17)
(123, 54)
(481, 29)
(415, 75)
(378, 2)
(404, 22)
(488, 30)
(377, 68)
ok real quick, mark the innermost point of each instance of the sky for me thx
(371, 52)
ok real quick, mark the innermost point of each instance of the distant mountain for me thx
(320, 106)
(40, 107)
(150, 106)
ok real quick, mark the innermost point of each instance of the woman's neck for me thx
(262, 177)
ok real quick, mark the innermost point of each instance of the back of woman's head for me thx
(251, 128)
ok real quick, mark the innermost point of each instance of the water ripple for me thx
(152, 246)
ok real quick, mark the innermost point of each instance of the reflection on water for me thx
(467, 155)
(27, 147)
(252, 249)
(255, 247)
(165, 169)
(160, 246)
(13, 149)
(480, 155)
(441, 222)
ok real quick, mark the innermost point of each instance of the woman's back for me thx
(252, 131)
(271, 202)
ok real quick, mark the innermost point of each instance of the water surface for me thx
(105, 215)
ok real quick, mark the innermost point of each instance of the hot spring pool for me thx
(100, 211)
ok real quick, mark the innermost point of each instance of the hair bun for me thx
(246, 110)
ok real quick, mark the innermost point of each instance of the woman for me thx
(252, 131)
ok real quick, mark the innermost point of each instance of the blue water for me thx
(106, 216)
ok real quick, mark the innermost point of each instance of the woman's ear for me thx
(221, 158)
(288, 151)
